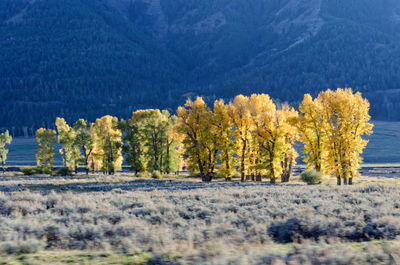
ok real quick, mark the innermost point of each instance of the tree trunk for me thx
(64, 158)
(111, 170)
(345, 180)
(242, 160)
(227, 178)
(161, 155)
(273, 180)
(290, 170)
(339, 181)
(3, 166)
(258, 178)
(283, 177)
(207, 178)
(87, 165)
(351, 181)
(253, 178)
(168, 158)
(318, 167)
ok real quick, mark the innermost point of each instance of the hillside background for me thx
(87, 58)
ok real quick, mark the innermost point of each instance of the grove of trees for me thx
(249, 137)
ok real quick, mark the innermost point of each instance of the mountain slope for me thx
(85, 58)
(76, 58)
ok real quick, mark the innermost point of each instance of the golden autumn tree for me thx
(195, 124)
(310, 125)
(346, 121)
(276, 136)
(223, 128)
(108, 144)
(291, 136)
(240, 115)
(261, 107)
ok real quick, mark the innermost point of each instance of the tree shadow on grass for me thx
(135, 185)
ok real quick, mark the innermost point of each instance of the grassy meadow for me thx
(98, 219)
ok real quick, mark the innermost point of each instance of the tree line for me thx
(250, 136)
(145, 141)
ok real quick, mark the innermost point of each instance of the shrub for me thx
(311, 177)
(28, 171)
(45, 169)
(156, 174)
(142, 175)
(64, 171)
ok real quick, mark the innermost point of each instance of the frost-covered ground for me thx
(144, 221)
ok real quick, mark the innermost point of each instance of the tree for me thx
(69, 149)
(223, 128)
(46, 139)
(310, 125)
(346, 121)
(151, 124)
(291, 136)
(5, 139)
(172, 156)
(84, 140)
(276, 136)
(133, 146)
(108, 144)
(195, 125)
(240, 115)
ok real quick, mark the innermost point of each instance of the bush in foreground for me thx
(28, 171)
(143, 175)
(311, 177)
(64, 171)
(156, 174)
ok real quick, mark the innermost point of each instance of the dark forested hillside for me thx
(85, 58)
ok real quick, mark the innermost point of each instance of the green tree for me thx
(5, 138)
(69, 149)
(133, 147)
(84, 140)
(152, 127)
(170, 146)
(46, 139)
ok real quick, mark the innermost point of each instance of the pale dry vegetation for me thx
(187, 222)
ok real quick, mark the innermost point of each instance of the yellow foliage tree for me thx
(310, 125)
(346, 120)
(223, 128)
(195, 124)
(108, 144)
(240, 115)
(276, 136)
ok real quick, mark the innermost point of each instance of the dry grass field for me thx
(124, 220)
